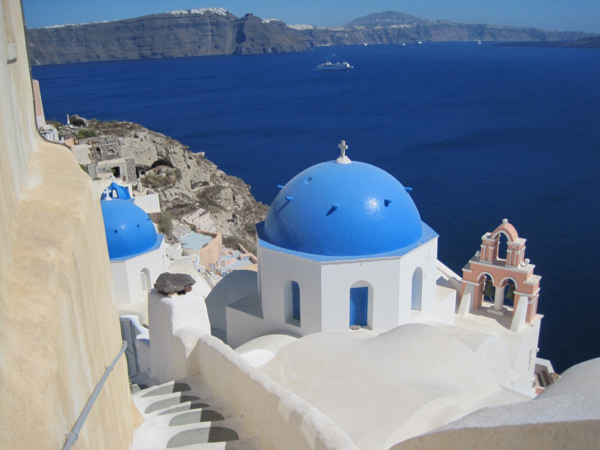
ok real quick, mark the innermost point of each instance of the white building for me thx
(343, 246)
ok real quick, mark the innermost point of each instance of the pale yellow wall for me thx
(58, 328)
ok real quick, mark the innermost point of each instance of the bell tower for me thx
(489, 281)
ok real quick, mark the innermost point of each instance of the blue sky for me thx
(575, 15)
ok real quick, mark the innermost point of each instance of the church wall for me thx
(127, 288)
(58, 327)
(424, 257)
(276, 292)
(524, 359)
(337, 279)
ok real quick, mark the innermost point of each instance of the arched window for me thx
(502, 246)
(292, 304)
(145, 280)
(417, 290)
(295, 301)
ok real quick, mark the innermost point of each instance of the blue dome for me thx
(341, 210)
(129, 230)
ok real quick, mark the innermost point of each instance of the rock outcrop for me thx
(187, 183)
(215, 31)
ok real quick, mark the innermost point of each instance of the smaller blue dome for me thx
(129, 230)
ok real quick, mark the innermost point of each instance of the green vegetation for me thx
(165, 225)
(154, 181)
(84, 133)
(206, 198)
(178, 174)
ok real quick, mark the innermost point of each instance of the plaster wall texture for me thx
(40, 119)
(263, 349)
(565, 415)
(58, 327)
(425, 379)
(498, 347)
(175, 324)
(127, 281)
(279, 418)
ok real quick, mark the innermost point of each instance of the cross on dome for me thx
(343, 159)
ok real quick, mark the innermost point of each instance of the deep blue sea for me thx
(479, 132)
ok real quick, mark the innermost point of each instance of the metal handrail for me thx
(74, 434)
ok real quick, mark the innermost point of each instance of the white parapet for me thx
(175, 324)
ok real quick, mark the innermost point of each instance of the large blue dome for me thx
(341, 210)
(129, 230)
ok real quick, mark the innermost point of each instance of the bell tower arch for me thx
(512, 279)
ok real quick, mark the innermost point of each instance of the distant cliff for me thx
(171, 35)
(590, 42)
(215, 31)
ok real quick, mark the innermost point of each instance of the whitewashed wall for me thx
(127, 283)
(278, 270)
(279, 418)
(150, 202)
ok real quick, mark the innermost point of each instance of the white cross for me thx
(343, 147)
(343, 159)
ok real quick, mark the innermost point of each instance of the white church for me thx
(344, 247)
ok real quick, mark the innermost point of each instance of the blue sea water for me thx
(479, 132)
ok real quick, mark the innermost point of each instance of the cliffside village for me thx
(193, 243)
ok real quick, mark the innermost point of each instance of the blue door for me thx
(359, 306)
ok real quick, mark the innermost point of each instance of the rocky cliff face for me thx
(214, 31)
(210, 32)
(188, 184)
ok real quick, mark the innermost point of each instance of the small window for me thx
(144, 280)
(295, 301)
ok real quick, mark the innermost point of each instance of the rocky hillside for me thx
(188, 183)
(214, 31)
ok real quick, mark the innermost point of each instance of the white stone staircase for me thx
(185, 414)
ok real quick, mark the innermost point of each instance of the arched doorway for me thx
(489, 290)
(416, 301)
(359, 306)
(510, 286)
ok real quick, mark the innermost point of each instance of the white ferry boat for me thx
(336, 66)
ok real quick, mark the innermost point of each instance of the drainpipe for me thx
(74, 434)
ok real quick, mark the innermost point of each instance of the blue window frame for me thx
(359, 306)
(295, 301)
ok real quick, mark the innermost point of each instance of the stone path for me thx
(185, 414)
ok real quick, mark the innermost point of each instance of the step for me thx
(151, 385)
(192, 434)
(244, 444)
